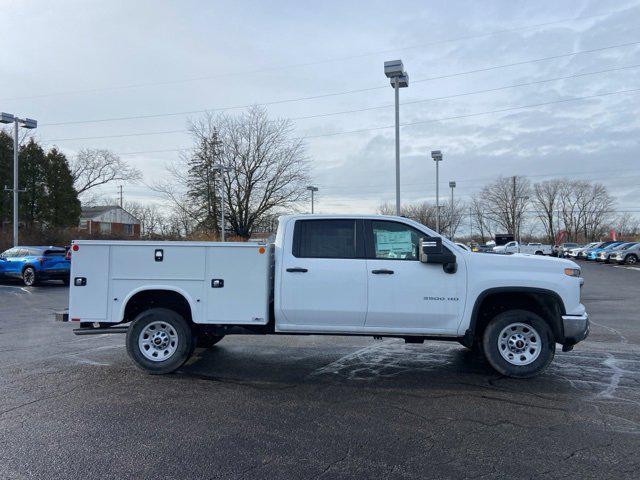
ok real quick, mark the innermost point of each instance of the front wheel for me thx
(160, 341)
(631, 259)
(29, 276)
(518, 344)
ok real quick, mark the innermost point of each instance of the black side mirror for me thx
(432, 251)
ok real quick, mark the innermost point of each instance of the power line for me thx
(306, 64)
(522, 107)
(411, 102)
(434, 120)
(333, 94)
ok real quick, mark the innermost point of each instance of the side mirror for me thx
(432, 251)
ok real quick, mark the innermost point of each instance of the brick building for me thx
(109, 220)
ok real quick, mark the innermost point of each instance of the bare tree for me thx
(149, 215)
(627, 226)
(481, 221)
(425, 214)
(586, 209)
(93, 167)
(266, 169)
(504, 202)
(546, 199)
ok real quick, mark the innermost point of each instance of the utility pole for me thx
(26, 123)
(121, 202)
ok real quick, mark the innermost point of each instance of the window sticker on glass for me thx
(391, 244)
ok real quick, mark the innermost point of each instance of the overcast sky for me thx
(78, 61)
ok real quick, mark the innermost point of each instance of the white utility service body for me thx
(324, 274)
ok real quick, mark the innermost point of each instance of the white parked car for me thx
(530, 248)
(326, 275)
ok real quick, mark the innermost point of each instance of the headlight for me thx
(572, 272)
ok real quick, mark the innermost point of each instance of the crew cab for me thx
(531, 248)
(379, 276)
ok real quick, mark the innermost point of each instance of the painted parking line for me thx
(637, 269)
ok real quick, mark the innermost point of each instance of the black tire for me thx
(29, 277)
(546, 344)
(172, 321)
(631, 259)
(207, 340)
(539, 252)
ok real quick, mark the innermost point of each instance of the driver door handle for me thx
(297, 269)
(382, 271)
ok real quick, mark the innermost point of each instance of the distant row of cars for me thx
(34, 264)
(607, 252)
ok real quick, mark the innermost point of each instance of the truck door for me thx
(405, 293)
(323, 276)
(511, 247)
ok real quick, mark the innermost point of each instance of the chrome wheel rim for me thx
(519, 344)
(28, 276)
(158, 341)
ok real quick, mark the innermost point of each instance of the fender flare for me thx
(145, 288)
(470, 333)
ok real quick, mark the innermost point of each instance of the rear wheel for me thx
(631, 259)
(29, 276)
(519, 344)
(160, 341)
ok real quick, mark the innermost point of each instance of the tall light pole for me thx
(221, 168)
(26, 123)
(437, 157)
(394, 70)
(452, 185)
(312, 189)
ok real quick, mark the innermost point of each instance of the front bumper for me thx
(576, 328)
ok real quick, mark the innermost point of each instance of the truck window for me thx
(396, 241)
(325, 239)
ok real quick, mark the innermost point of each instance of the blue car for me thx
(593, 253)
(32, 264)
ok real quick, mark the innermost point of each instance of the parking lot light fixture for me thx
(30, 124)
(436, 155)
(399, 78)
(312, 189)
(452, 185)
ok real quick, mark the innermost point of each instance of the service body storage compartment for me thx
(224, 283)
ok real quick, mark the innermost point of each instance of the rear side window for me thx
(325, 239)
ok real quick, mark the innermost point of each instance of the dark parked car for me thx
(32, 264)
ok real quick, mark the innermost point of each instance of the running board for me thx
(99, 331)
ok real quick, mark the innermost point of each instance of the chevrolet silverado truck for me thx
(379, 276)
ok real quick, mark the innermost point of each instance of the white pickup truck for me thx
(333, 275)
(530, 248)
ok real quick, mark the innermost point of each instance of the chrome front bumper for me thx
(576, 328)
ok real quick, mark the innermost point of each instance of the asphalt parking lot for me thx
(317, 407)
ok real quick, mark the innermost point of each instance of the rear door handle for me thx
(297, 269)
(382, 271)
